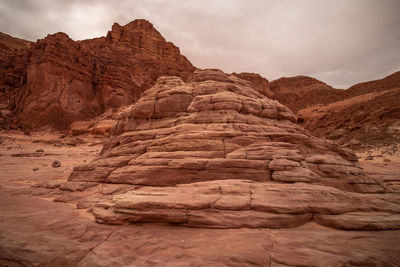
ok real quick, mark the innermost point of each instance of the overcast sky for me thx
(340, 42)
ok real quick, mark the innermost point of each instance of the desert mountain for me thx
(367, 115)
(78, 80)
(302, 91)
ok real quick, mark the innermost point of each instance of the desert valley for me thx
(118, 151)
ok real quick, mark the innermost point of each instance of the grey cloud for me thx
(340, 42)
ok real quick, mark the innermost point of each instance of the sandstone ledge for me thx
(244, 203)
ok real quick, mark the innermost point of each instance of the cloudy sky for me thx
(340, 42)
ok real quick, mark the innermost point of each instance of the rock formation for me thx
(259, 82)
(214, 152)
(78, 80)
(14, 58)
(365, 116)
(301, 91)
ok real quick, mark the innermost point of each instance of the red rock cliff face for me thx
(14, 55)
(68, 80)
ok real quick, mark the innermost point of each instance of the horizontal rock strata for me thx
(243, 203)
(207, 133)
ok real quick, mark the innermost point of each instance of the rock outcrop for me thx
(65, 81)
(259, 82)
(214, 152)
(14, 58)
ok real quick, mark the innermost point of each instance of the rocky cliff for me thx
(14, 58)
(63, 80)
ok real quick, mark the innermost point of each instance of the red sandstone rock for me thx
(14, 58)
(213, 152)
(66, 81)
(367, 116)
(363, 116)
(302, 91)
(259, 83)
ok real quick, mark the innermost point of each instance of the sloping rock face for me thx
(213, 152)
(364, 116)
(301, 91)
(389, 82)
(367, 116)
(78, 80)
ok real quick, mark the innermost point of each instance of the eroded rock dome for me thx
(215, 152)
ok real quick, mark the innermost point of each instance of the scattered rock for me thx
(35, 169)
(49, 184)
(56, 164)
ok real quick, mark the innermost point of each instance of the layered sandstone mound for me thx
(65, 80)
(213, 152)
(259, 82)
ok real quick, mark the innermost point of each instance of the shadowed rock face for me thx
(14, 58)
(216, 153)
(66, 80)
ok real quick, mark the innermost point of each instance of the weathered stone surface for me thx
(259, 83)
(214, 127)
(241, 203)
(14, 59)
(361, 220)
(37, 231)
(206, 155)
(78, 80)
